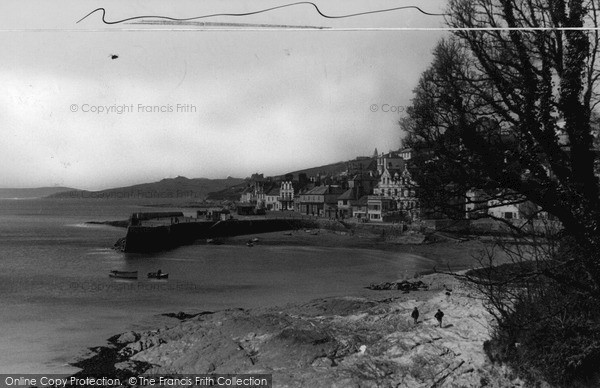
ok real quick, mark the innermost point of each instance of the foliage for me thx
(509, 112)
(555, 337)
(506, 111)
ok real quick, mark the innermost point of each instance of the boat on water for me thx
(123, 274)
(157, 275)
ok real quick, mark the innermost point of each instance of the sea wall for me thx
(158, 238)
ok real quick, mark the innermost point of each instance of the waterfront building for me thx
(313, 201)
(360, 208)
(347, 202)
(380, 208)
(396, 183)
(272, 199)
(286, 195)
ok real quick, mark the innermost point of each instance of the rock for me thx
(403, 285)
(134, 367)
(127, 337)
(180, 315)
(322, 362)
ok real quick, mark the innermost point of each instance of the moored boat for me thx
(157, 275)
(123, 274)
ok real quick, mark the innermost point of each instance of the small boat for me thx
(254, 240)
(156, 275)
(250, 244)
(214, 241)
(123, 274)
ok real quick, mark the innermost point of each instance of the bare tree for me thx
(506, 107)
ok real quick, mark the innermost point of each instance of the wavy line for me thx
(261, 11)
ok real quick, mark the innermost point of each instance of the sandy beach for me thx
(453, 254)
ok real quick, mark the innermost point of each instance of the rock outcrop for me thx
(335, 342)
(403, 285)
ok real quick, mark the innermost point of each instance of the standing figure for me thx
(415, 315)
(439, 315)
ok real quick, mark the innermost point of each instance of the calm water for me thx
(57, 298)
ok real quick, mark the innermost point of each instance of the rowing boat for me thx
(123, 274)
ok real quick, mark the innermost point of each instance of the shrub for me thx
(554, 336)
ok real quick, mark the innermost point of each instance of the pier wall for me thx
(158, 238)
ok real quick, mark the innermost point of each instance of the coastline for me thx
(366, 339)
(455, 256)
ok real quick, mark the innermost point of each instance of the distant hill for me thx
(170, 188)
(232, 193)
(38, 192)
(328, 169)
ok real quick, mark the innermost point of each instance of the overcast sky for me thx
(268, 101)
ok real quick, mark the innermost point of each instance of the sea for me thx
(57, 300)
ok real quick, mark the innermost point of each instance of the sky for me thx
(240, 95)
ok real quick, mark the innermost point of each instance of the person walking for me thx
(439, 315)
(415, 315)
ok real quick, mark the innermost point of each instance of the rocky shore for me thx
(332, 342)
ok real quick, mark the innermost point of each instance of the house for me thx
(272, 199)
(406, 153)
(286, 195)
(511, 207)
(347, 202)
(254, 193)
(476, 205)
(504, 209)
(379, 207)
(213, 214)
(389, 161)
(364, 183)
(360, 208)
(247, 195)
(361, 165)
(408, 202)
(396, 183)
(314, 201)
(245, 209)
(390, 183)
(501, 205)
